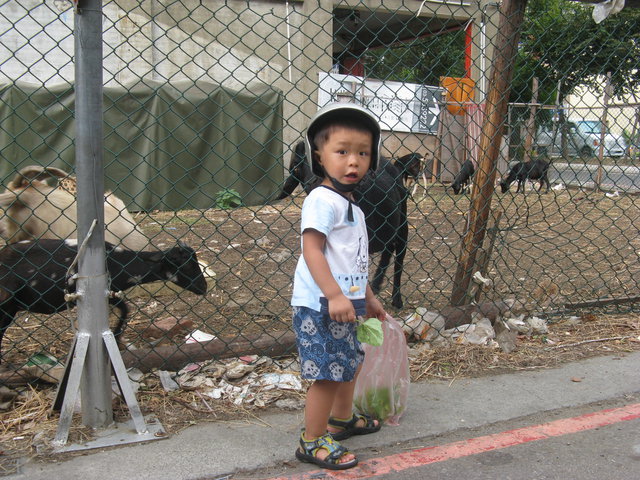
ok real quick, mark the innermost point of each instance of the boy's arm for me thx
(340, 307)
(374, 306)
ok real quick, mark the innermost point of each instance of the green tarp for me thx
(166, 146)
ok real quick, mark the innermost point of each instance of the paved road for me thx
(613, 178)
(439, 415)
(593, 442)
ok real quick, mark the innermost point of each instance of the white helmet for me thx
(342, 111)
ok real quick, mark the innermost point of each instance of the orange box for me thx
(458, 90)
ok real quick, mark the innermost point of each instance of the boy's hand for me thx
(341, 309)
(374, 306)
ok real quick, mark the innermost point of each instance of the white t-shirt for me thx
(346, 248)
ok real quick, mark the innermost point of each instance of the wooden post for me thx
(633, 150)
(530, 129)
(437, 154)
(507, 38)
(485, 254)
(603, 130)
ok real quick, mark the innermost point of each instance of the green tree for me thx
(565, 49)
(560, 44)
(423, 60)
(563, 46)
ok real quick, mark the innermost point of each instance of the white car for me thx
(549, 141)
(614, 145)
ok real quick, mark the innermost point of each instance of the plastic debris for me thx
(480, 332)
(44, 367)
(538, 325)
(235, 380)
(168, 383)
(238, 369)
(135, 378)
(479, 279)
(207, 270)
(135, 374)
(474, 324)
(506, 338)
(168, 328)
(518, 324)
(42, 358)
(287, 381)
(528, 325)
(603, 9)
(249, 358)
(198, 336)
(423, 324)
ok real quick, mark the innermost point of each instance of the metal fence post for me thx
(95, 351)
(92, 282)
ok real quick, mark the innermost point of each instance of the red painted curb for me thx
(472, 446)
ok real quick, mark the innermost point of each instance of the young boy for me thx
(330, 288)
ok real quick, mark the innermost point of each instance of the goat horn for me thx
(35, 172)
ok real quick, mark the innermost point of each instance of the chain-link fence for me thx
(204, 102)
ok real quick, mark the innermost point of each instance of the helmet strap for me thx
(341, 187)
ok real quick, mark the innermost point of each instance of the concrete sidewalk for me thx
(214, 449)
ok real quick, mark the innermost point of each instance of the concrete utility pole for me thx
(508, 36)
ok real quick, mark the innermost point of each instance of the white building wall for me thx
(284, 44)
(37, 42)
(622, 113)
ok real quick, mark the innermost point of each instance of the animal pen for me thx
(201, 104)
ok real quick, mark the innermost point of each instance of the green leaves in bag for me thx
(370, 331)
(376, 401)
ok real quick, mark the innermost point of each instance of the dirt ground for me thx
(580, 245)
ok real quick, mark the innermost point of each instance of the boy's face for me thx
(346, 155)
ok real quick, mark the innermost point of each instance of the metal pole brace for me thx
(69, 388)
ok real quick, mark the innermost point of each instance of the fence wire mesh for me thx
(205, 101)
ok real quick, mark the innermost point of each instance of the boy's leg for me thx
(343, 400)
(342, 408)
(320, 398)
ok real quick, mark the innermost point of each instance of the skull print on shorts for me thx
(310, 369)
(338, 329)
(327, 350)
(337, 372)
(308, 327)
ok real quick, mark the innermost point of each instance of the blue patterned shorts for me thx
(328, 350)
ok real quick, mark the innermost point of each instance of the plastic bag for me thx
(382, 387)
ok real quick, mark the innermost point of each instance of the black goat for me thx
(463, 178)
(531, 170)
(300, 173)
(34, 276)
(382, 197)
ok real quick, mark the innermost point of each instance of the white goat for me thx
(34, 209)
